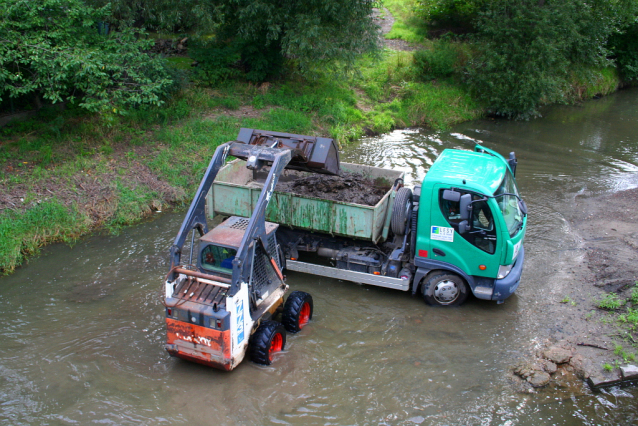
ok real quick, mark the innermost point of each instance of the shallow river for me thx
(83, 326)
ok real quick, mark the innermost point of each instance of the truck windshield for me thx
(509, 204)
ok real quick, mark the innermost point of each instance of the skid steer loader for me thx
(223, 305)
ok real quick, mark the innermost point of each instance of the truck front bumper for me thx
(505, 287)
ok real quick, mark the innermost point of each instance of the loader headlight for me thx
(504, 271)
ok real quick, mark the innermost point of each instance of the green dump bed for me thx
(236, 191)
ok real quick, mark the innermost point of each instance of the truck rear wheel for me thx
(269, 339)
(401, 211)
(297, 311)
(444, 289)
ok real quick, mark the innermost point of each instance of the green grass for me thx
(407, 25)
(588, 83)
(610, 302)
(22, 234)
(398, 98)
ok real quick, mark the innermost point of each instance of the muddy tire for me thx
(444, 289)
(401, 211)
(269, 339)
(297, 311)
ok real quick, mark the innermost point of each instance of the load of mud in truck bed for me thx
(349, 188)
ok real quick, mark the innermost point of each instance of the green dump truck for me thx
(460, 231)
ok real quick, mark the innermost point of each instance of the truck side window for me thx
(483, 232)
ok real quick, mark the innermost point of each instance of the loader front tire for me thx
(269, 339)
(297, 311)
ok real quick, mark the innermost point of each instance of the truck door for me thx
(477, 251)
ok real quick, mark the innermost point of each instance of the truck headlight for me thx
(504, 271)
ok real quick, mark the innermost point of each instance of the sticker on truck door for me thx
(441, 233)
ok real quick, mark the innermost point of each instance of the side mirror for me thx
(466, 206)
(464, 227)
(512, 162)
(451, 195)
(523, 207)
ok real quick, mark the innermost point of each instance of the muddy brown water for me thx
(82, 331)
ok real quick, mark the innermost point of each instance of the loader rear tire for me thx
(401, 211)
(269, 339)
(297, 311)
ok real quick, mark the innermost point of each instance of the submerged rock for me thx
(539, 379)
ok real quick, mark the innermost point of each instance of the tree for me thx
(62, 51)
(162, 15)
(311, 33)
(526, 49)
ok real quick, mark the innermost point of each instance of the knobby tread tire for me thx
(399, 220)
(260, 341)
(292, 309)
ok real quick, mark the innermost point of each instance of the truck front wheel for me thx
(444, 289)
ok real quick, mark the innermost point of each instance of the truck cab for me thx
(471, 223)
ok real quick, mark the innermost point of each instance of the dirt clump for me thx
(349, 187)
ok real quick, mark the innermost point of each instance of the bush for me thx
(216, 63)
(57, 50)
(526, 48)
(625, 49)
(439, 62)
(461, 13)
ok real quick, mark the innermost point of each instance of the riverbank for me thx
(594, 303)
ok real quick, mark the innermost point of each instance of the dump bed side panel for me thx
(235, 192)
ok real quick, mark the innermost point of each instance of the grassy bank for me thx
(622, 313)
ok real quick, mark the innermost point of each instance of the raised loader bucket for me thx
(309, 153)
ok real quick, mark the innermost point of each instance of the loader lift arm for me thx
(196, 215)
(258, 148)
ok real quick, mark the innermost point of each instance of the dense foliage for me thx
(528, 52)
(161, 15)
(309, 33)
(60, 50)
(458, 14)
(625, 49)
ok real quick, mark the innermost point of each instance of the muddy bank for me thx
(591, 338)
(349, 187)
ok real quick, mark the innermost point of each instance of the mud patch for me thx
(349, 187)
